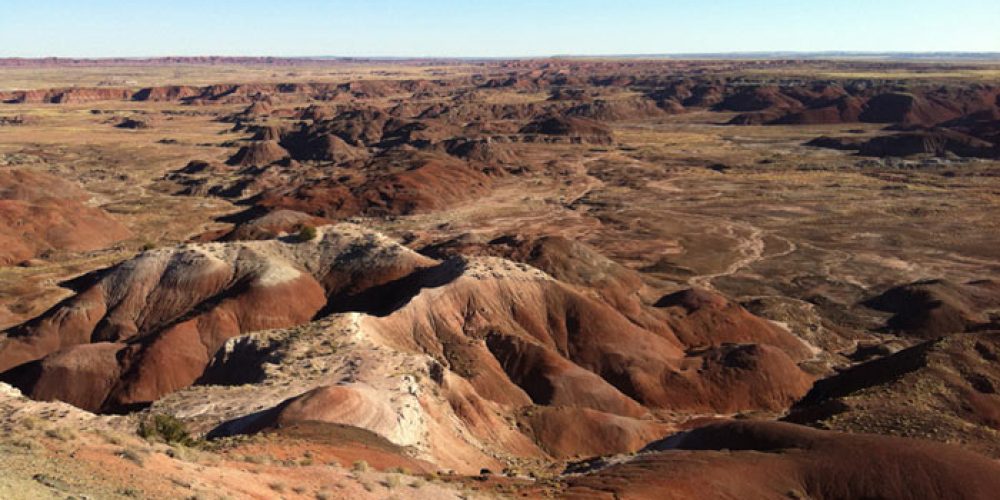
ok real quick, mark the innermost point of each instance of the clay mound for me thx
(775, 460)
(839, 143)
(396, 185)
(944, 390)
(636, 108)
(529, 321)
(358, 127)
(936, 141)
(579, 264)
(485, 150)
(267, 132)
(316, 112)
(568, 261)
(41, 213)
(174, 308)
(562, 125)
(565, 432)
(258, 153)
(357, 406)
(418, 134)
(515, 82)
(571, 94)
(376, 88)
(758, 117)
(84, 95)
(757, 99)
(671, 106)
(273, 224)
(701, 318)
(983, 125)
(203, 178)
(259, 109)
(167, 93)
(932, 308)
(704, 95)
(333, 148)
(733, 378)
(551, 380)
(92, 368)
(466, 109)
(908, 109)
(194, 167)
(815, 95)
(698, 318)
(846, 109)
(573, 128)
(362, 128)
(305, 145)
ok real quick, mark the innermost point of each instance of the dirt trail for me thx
(750, 249)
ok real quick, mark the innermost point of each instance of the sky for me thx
(484, 28)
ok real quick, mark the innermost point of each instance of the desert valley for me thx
(543, 278)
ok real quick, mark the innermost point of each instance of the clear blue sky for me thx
(498, 28)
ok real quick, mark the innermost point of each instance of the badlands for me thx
(579, 278)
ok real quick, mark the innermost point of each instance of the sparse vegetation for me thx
(391, 481)
(257, 459)
(24, 443)
(110, 437)
(306, 233)
(61, 433)
(129, 492)
(165, 428)
(132, 455)
(360, 466)
(30, 423)
(181, 452)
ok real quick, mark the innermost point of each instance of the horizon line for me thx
(761, 54)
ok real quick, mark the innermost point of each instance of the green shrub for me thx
(166, 428)
(306, 233)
